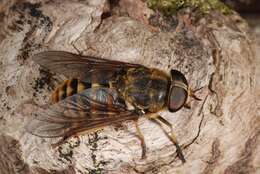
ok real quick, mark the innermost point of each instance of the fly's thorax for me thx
(146, 88)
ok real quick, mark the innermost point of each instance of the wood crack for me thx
(215, 154)
(200, 124)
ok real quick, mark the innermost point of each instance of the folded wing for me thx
(83, 112)
(78, 66)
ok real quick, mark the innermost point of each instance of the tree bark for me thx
(216, 52)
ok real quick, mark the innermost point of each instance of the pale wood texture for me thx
(220, 134)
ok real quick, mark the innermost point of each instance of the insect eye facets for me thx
(177, 99)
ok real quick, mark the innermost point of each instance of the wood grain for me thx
(220, 134)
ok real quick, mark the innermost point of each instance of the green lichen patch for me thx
(169, 7)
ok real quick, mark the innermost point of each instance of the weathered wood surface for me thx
(219, 134)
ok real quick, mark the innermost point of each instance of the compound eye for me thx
(177, 98)
(178, 76)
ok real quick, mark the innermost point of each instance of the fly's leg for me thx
(158, 120)
(173, 138)
(141, 137)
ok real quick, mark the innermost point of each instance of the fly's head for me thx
(179, 91)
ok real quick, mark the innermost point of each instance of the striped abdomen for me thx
(99, 93)
(69, 88)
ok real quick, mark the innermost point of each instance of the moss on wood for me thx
(169, 7)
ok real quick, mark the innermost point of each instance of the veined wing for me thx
(78, 66)
(83, 112)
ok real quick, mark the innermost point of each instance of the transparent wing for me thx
(78, 66)
(83, 112)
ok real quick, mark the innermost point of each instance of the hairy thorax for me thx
(145, 89)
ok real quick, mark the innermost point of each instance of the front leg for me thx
(158, 120)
